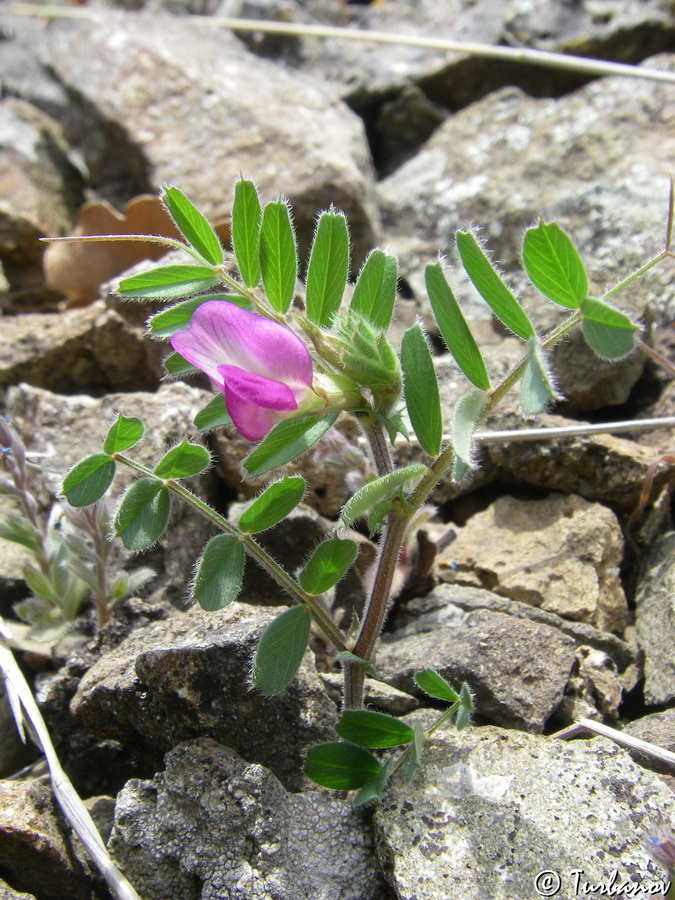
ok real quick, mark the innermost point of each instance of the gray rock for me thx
(561, 553)
(605, 665)
(7, 893)
(211, 827)
(517, 669)
(132, 81)
(605, 468)
(40, 192)
(92, 350)
(490, 810)
(655, 619)
(188, 677)
(37, 856)
(658, 729)
(524, 158)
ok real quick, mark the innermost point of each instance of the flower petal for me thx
(221, 333)
(253, 401)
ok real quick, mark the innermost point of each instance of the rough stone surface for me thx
(658, 729)
(604, 667)
(605, 468)
(188, 677)
(489, 810)
(40, 192)
(34, 854)
(211, 826)
(7, 893)
(655, 620)
(560, 553)
(132, 81)
(92, 350)
(584, 160)
(518, 669)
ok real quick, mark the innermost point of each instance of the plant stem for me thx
(261, 556)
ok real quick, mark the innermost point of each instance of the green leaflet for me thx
(213, 415)
(369, 728)
(125, 432)
(491, 287)
(193, 225)
(246, 223)
(536, 386)
(553, 265)
(421, 390)
(167, 282)
(281, 649)
(452, 325)
(327, 565)
(89, 479)
(288, 439)
(273, 505)
(433, 683)
(608, 332)
(183, 461)
(219, 572)
(341, 766)
(328, 268)
(278, 255)
(377, 490)
(375, 289)
(143, 513)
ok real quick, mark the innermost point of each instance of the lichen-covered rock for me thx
(212, 827)
(489, 811)
(561, 553)
(189, 677)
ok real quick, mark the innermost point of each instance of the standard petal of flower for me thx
(222, 333)
(253, 401)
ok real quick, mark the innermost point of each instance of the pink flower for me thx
(263, 368)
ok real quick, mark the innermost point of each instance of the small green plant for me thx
(285, 369)
(70, 550)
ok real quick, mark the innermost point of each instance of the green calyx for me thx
(361, 352)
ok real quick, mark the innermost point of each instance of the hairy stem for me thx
(261, 556)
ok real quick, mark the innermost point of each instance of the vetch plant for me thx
(285, 367)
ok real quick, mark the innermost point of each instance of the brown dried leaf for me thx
(78, 270)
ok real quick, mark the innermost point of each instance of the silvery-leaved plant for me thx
(70, 550)
(283, 371)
